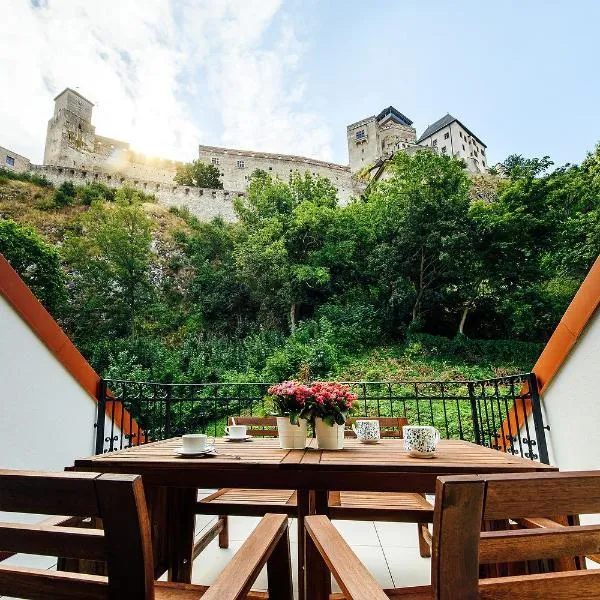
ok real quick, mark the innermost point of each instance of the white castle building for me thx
(74, 151)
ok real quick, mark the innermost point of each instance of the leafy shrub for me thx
(311, 350)
(65, 194)
(95, 191)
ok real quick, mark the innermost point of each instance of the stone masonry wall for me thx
(12, 161)
(236, 167)
(205, 204)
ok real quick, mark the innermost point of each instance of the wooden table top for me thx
(261, 463)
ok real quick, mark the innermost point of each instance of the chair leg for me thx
(424, 548)
(224, 533)
(279, 570)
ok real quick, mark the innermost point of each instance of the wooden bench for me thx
(534, 563)
(354, 506)
(124, 543)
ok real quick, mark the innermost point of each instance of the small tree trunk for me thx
(417, 305)
(463, 319)
(293, 310)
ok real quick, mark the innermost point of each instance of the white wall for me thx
(572, 404)
(46, 418)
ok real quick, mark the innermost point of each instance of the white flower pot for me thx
(329, 437)
(291, 436)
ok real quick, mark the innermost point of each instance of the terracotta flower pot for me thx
(329, 437)
(291, 436)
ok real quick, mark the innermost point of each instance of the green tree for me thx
(37, 263)
(110, 260)
(421, 254)
(198, 174)
(282, 234)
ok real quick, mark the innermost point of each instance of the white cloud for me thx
(138, 60)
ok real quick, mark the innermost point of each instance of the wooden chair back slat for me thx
(124, 544)
(463, 503)
(533, 544)
(257, 426)
(570, 585)
(550, 493)
(38, 584)
(70, 542)
(27, 492)
(390, 427)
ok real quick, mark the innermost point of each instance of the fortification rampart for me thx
(205, 204)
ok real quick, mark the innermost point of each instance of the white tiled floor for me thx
(389, 550)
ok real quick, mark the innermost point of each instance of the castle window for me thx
(270, 168)
(460, 133)
(10, 161)
(434, 143)
(464, 149)
(360, 135)
(240, 164)
(446, 136)
(443, 149)
(214, 160)
(482, 152)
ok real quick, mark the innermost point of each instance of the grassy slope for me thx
(22, 202)
(431, 359)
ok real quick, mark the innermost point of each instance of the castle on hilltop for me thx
(76, 153)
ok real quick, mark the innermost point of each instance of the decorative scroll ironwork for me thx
(502, 413)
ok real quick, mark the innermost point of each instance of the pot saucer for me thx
(245, 438)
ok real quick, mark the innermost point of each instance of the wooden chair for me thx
(354, 506)
(530, 564)
(124, 543)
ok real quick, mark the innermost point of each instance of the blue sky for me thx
(289, 75)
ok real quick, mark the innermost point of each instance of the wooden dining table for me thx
(171, 483)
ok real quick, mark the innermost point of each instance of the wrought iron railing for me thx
(502, 413)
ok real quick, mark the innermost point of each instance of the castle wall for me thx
(205, 204)
(12, 161)
(236, 167)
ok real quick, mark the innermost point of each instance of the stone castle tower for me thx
(69, 129)
(379, 136)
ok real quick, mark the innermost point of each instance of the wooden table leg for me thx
(181, 527)
(317, 582)
(303, 510)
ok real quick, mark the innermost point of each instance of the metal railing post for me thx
(538, 420)
(101, 416)
(473, 403)
(168, 413)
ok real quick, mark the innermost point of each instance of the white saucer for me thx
(208, 451)
(369, 442)
(246, 438)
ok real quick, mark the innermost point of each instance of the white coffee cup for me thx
(194, 442)
(367, 430)
(236, 431)
(420, 440)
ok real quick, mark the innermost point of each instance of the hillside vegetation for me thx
(432, 274)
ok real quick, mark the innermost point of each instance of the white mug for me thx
(236, 431)
(420, 440)
(367, 430)
(194, 442)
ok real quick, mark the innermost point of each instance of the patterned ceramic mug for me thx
(367, 430)
(420, 440)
